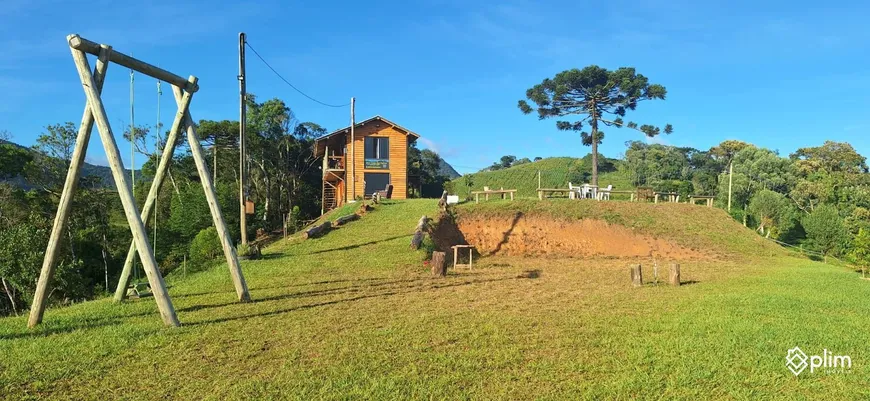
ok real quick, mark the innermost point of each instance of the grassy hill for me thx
(356, 315)
(556, 172)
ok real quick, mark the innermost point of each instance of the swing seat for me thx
(139, 290)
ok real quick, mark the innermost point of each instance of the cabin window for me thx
(377, 152)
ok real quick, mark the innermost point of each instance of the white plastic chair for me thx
(604, 194)
(587, 191)
(574, 190)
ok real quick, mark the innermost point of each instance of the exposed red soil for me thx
(586, 238)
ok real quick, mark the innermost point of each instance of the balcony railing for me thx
(335, 163)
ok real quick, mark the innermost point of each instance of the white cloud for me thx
(429, 144)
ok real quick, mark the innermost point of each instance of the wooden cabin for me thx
(361, 160)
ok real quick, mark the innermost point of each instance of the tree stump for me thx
(636, 275)
(674, 278)
(439, 264)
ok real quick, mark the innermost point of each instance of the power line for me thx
(288, 82)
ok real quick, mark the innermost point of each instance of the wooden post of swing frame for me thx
(97, 110)
(211, 197)
(72, 178)
(156, 183)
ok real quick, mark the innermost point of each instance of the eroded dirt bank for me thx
(521, 235)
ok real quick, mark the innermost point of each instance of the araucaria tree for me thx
(602, 97)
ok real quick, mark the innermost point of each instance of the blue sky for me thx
(780, 74)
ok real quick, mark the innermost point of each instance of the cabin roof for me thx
(364, 122)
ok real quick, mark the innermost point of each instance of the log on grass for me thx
(439, 264)
(317, 231)
(344, 220)
(419, 232)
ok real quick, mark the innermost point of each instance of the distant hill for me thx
(88, 170)
(448, 170)
(555, 172)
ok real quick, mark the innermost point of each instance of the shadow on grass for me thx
(532, 274)
(253, 290)
(271, 255)
(386, 293)
(51, 328)
(349, 247)
(314, 293)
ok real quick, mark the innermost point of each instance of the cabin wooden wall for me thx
(398, 158)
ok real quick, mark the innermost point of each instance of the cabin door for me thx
(376, 182)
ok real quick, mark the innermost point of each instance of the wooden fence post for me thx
(674, 278)
(636, 275)
(439, 264)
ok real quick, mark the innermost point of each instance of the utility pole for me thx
(242, 152)
(730, 176)
(352, 153)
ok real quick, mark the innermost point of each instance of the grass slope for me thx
(556, 172)
(354, 315)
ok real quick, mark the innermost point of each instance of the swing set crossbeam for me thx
(95, 113)
(79, 43)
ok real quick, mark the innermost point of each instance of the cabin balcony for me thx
(334, 168)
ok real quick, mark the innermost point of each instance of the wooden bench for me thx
(643, 194)
(487, 193)
(693, 199)
(543, 191)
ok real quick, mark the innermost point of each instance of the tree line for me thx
(284, 184)
(818, 197)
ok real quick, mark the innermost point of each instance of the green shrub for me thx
(825, 230)
(248, 251)
(243, 250)
(772, 212)
(860, 249)
(205, 248)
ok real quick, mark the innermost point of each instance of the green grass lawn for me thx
(355, 315)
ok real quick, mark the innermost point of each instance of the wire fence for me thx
(803, 251)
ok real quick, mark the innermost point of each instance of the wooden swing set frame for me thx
(95, 112)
